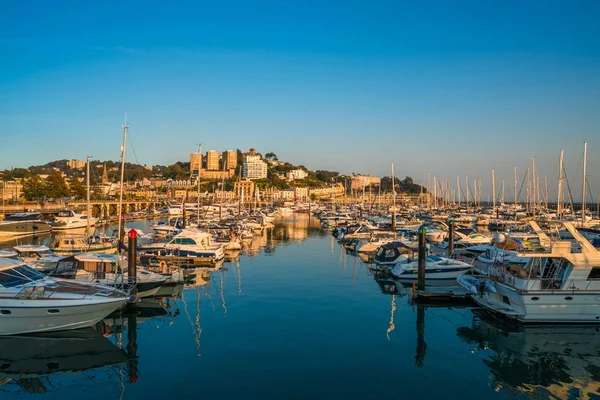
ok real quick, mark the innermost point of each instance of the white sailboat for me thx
(74, 243)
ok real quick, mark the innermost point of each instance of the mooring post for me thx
(132, 260)
(451, 238)
(422, 259)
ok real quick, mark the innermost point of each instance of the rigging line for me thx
(569, 190)
(589, 190)
(133, 148)
(522, 183)
(444, 318)
(577, 170)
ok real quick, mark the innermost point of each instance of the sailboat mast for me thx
(428, 190)
(584, 183)
(533, 186)
(198, 182)
(467, 189)
(87, 185)
(559, 200)
(493, 190)
(123, 146)
(515, 184)
(393, 201)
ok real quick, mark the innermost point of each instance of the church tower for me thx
(104, 175)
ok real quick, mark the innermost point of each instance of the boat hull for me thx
(539, 307)
(24, 228)
(31, 316)
(432, 273)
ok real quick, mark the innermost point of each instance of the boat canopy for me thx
(24, 217)
(390, 252)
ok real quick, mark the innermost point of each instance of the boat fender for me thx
(163, 266)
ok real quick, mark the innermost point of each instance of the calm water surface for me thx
(295, 317)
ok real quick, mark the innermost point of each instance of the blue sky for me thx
(450, 87)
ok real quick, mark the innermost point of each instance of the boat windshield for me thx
(19, 276)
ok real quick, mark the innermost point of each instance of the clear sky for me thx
(451, 87)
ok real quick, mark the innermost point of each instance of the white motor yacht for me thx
(559, 285)
(436, 268)
(32, 302)
(190, 244)
(69, 219)
(23, 224)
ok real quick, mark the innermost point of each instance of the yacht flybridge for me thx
(558, 285)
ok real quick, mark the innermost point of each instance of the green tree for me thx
(76, 189)
(56, 186)
(326, 176)
(33, 189)
(271, 157)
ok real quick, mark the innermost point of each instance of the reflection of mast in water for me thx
(354, 273)
(343, 257)
(195, 331)
(222, 292)
(198, 328)
(557, 362)
(391, 327)
(332, 243)
(239, 276)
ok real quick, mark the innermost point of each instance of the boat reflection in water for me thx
(27, 362)
(106, 354)
(541, 361)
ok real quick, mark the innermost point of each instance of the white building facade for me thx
(253, 167)
(296, 174)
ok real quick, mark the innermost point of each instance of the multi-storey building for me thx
(76, 164)
(296, 174)
(328, 191)
(11, 190)
(212, 160)
(254, 167)
(195, 162)
(230, 159)
(246, 187)
(360, 181)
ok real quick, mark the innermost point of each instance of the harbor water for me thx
(294, 316)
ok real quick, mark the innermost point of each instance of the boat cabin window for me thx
(594, 274)
(183, 241)
(99, 268)
(19, 276)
